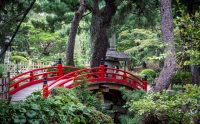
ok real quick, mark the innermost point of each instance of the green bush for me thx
(168, 107)
(151, 74)
(131, 117)
(63, 108)
(181, 77)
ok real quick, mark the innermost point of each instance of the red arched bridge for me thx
(64, 76)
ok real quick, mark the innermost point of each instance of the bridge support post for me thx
(45, 88)
(60, 72)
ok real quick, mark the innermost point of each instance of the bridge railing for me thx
(35, 76)
(99, 74)
(68, 73)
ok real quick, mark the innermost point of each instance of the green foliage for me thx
(87, 97)
(139, 44)
(129, 95)
(96, 117)
(18, 59)
(11, 14)
(1, 69)
(64, 107)
(189, 26)
(136, 39)
(181, 77)
(151, 74)
(177, 87)
(131, 117)
(174, 108)
(132, 63)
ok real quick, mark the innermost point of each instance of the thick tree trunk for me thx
(72, 34)
(164, 79)
(100, 23)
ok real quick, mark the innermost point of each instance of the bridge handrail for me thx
(75, 73)
(28, 76)
(39, 69)
(31, 71)
(92, 74)
(119, 70)
(134, 80)
(100, 73)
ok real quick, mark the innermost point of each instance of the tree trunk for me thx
(2, 48)
(164, 79)
(100, 23)
(72, 34)
(195, 74)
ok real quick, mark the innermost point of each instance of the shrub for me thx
(181, 77)
(151, 74)
(58, 109)
(171, 108)
(131, 117)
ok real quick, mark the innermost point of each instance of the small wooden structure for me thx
(4, 88)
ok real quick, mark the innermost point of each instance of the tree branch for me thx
(13, 36)
(13, 18)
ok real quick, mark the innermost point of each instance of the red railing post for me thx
(145, 82)
(124, 76)
(31, 76)
(60, 72)
(16, 86)
(145, 85)
(102, 72)
(45, 88)
(114, 75)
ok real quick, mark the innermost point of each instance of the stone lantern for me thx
(113, 56)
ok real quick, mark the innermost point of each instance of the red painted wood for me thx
(34, 76)
(60, 72)
(92, 75)
(45, 91)
(98, 75)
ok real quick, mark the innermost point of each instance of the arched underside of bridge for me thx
(111, 97)
(104, 86)
(107, 86)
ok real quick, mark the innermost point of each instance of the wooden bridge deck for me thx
(22, 94)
